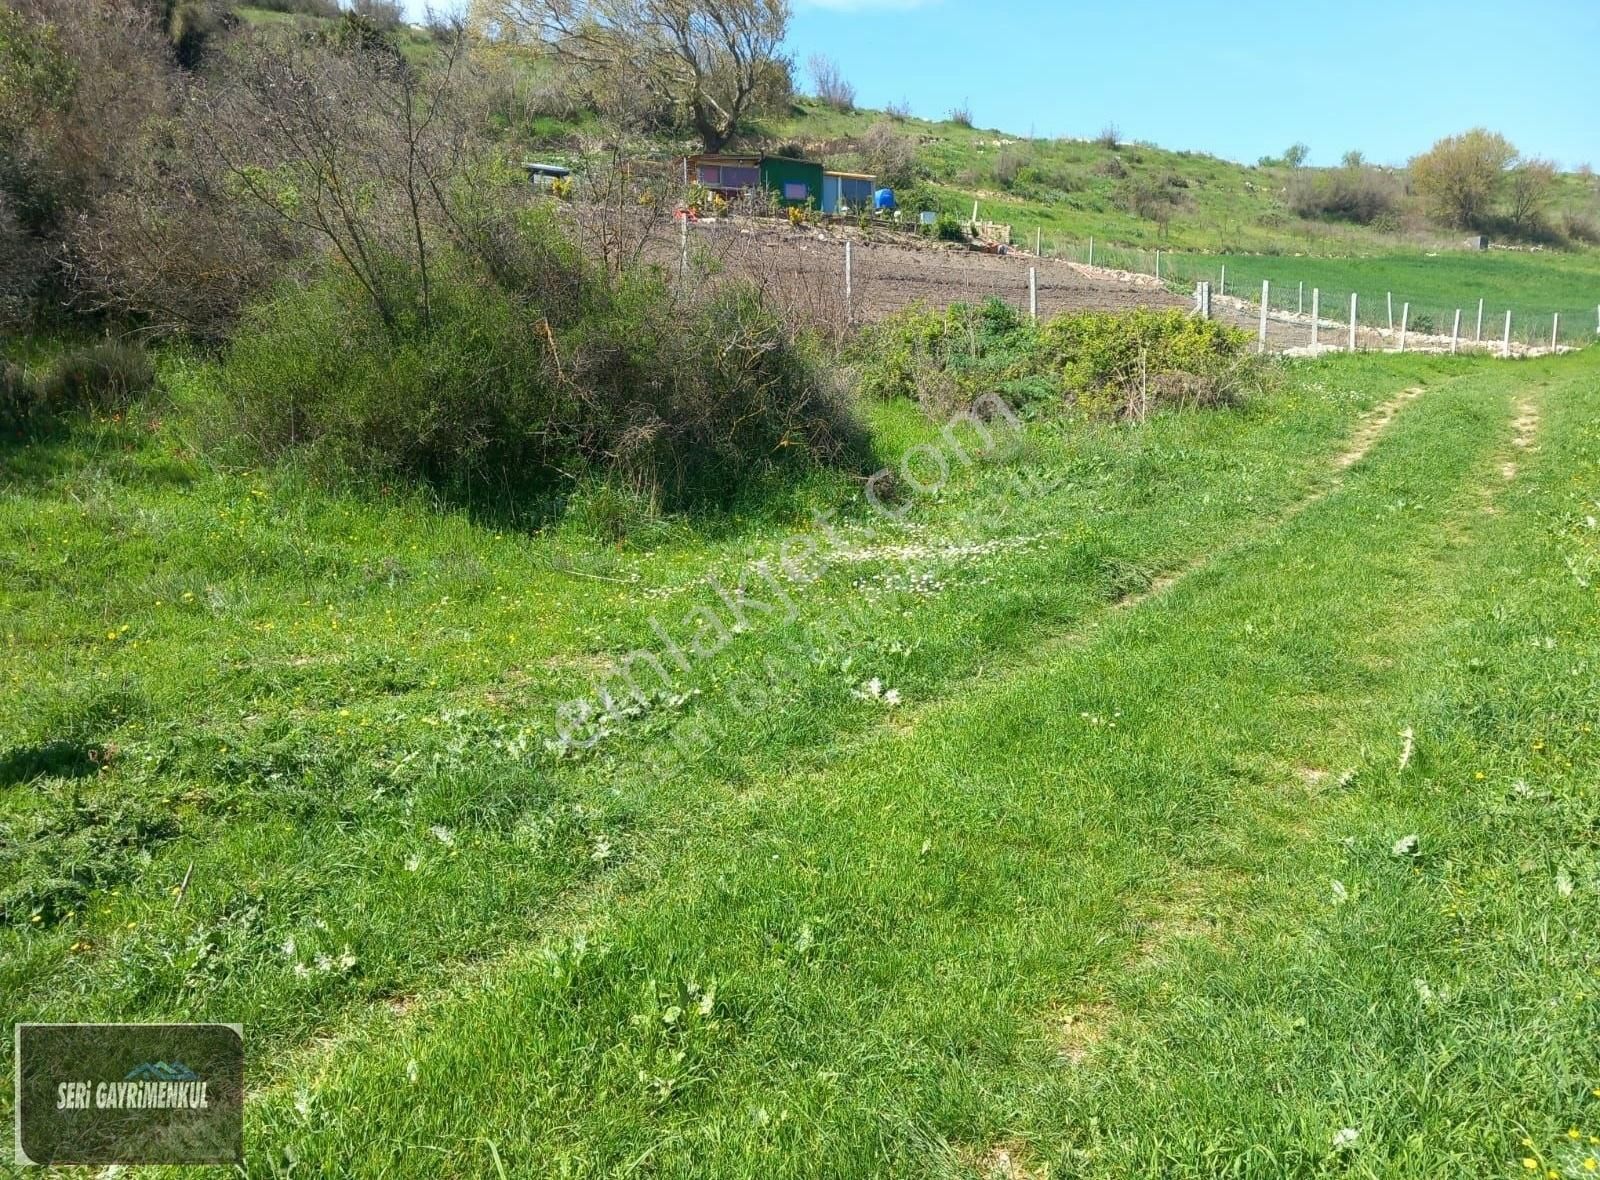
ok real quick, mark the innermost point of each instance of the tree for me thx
(713, 62)
(1528, 188)
(1460, 178)
(1296, 154)
(829, 85)
(1353, 159)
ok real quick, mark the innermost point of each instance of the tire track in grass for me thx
(726, 893)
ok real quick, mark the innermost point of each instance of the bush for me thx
(1109, 136)
(949, 228)
(103, 378)
(890, 155)
(961, 116)
(21, 407)
(1007, 167)
(547, 373)
(832, 88)
(1360, 195)
(1580, 228)
(1103, 362)
(1123, 361)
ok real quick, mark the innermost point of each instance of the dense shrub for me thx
(1103, 362)
(1102, 359)
(546, 373)
(1360, 195)
(103, 378)
(890, 155)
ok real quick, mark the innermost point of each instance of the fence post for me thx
(1300, 301)
(1390, 296)
(1038, 241)
(1316, 315)
(1033, 293)
(1091, 251)
(1405, 319)
(1158, 279)
(1261, 338)
(1455, 332)
(1352, 321)
(1222, 283)
(1505, 345)
(1477, 337)
(1555, 328)
(849, 288)
(1202, 299)
(683, 247)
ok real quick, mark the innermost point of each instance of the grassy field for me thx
(1210, 797)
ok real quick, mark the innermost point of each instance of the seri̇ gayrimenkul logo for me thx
(161, 1071)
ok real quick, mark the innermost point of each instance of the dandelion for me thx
(1530, 1163)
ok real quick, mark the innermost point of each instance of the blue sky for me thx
(1239, 79)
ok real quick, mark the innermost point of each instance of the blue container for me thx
(883, 199)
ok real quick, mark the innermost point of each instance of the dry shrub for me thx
(890, 155)
(1361, 195)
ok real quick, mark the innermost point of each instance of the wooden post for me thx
(1390, 296)
(1352, 321)
(1316, 313)
(1033, 293)
(1261, 336)
(1505, 344)
(1455, 332)
(849, 288)
(1477, 337)
(1405, 319)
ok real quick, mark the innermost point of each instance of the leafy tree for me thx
(711, 62)
(1353, 159)
(1461, 177)
(1528, 188)
(1296, 154)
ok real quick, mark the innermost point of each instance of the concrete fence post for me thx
(1352, 321)
(1405, 319)
(1505, 344)
(1091, 251)
(683, 247)
(1038, 242)
(1300, 301)
(1555, 330)
(1158, 277)
(1261, 337)
(1316, 315)
(1222, 283)
(1477, 337)
(849, 287)
(1390, 296)
(1033, 293)
(1202, 299)
(1455, 332)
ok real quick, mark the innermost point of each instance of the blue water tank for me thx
(883, 199)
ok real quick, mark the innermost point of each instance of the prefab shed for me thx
(797, 182)
(794, 182)
(852, 190)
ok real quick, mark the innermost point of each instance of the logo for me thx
(129, 1093)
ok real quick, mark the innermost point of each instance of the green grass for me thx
(1072, 898)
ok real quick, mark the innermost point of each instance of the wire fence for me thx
(841, 277)
(1483, 318)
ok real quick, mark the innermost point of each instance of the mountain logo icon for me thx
(161, 1071)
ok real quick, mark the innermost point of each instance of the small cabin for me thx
(796, 182)
(850, 191)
